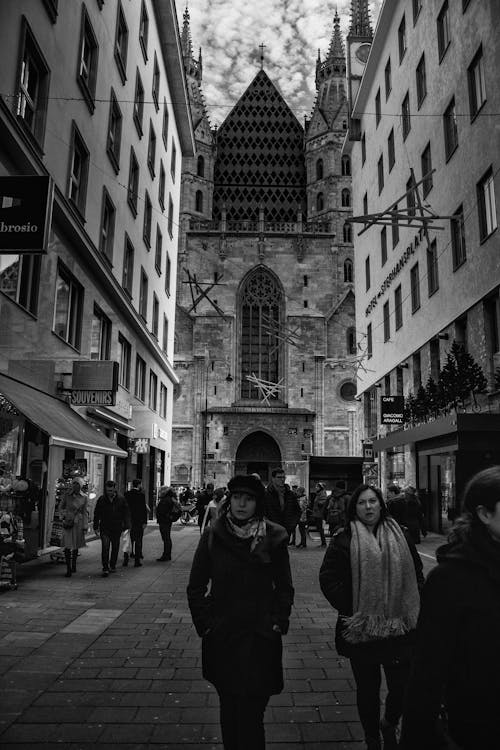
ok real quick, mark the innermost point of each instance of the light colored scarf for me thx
(254, 529)
(385, 595)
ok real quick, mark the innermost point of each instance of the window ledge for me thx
(450, 154)
(71, 346)
(87, 94)
(132, 206)
(482, 240)
(138, 125)
(478, 110)
(114, 161)
(121, 67)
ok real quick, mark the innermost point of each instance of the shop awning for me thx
(64, 426)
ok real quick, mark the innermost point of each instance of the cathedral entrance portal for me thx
(260, 453)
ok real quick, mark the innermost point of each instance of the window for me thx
(51, 7)
(406, 116)
(128, 266)
(432, 269)
(107, 233)
(387, 322)
(415, 288)
(165, 334)
(491, 325)
(161, 187)
(421, 81)
(143, 295)
(305, 281)
(319, 169)
(426, 162)
(394, 227)
(133, 183)
(435, 358)
(346, 166)
(200, 166)
(114, 133)
(417, 371)
(388, 78)
(383, 246)
(125, 355)
(164, 127)
(78, 171)
(390, 149)
(417, 7)
(477, 88)
(365, 203)
(398, 307)
(33, 86)
(100, 335)
(399, 381)
(351, 340)
(155, 321)
(170, 219)
(369, 341)
(156, 84)
(363, 148)
(348, 391)
(348, 271)
(140, 378)
(465, 5)
(163, 401)
(198, 202)
(377, 108)
(151, 150)
(347, 232)
(320, 202)
(68, 308)
(402, 39)
(410, 197)
(173, 161)
(486, 205)
(138, 104)
(450, 129)
(20, 279)
(158, 249)
(387, 385)
(458, 247)
(168, 271)
(87, 61)
(144, 30)
(148, 216)
(380, 170)
(346, 198)
(443, 29)
(367, 273)
(121, 43)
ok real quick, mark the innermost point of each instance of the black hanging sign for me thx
(391, 409)
(25, 214)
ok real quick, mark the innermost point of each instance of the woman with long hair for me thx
(73, 509)
(371, 575)
(244, 558)
(457, 655)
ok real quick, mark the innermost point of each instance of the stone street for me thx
(115, 663)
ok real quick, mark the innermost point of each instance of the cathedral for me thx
(265, 342)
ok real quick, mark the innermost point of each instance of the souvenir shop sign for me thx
(95, 383)
(391, 409)
(25, 214)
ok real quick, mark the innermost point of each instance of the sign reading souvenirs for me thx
(25, 214)
(391, 409)
(95, 383)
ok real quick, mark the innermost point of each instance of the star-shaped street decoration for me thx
(266, 388)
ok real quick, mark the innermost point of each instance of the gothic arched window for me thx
(351, 340)
(346, 198)
(320, 202)
(261, 303)
(199, 201)
(200, 169)
(346, 166)
(348, 270)
(319, 169)
(347, 232)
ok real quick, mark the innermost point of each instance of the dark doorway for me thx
(258, 453)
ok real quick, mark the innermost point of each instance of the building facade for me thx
(425, 159)
(265, 336)
(94, 96)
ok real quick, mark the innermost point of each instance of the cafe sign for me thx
(95, 383)
(25, 214)
(391, 409)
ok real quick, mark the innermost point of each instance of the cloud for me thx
(230, 32)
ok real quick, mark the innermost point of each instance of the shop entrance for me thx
(437, 490)
(258, 453)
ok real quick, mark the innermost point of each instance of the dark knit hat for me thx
(246, 483)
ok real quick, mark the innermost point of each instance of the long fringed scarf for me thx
(385, 594)
(255, 529)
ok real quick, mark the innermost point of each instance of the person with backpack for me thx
(168, 510)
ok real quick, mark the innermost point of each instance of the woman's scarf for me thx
(385, 594)
(254, 528)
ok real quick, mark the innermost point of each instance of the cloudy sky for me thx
(230, 32)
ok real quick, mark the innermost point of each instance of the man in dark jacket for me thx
(138, 511)
(281, 504)
(202, 501)
(111, 517)
(396, 505)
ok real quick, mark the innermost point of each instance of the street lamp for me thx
(228, 379)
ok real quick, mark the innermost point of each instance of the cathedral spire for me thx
(336, 50)
(186, 41)
(360, 19)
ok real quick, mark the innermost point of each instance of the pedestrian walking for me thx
(73, 511)
(202, 500)
(371, 575)
(335, 511)
(302, 524)
(244, 559)
(319, 511)
(168, 510)
(457, 654)
(111, 517)
(281, 504)
(138, 512)
(213, 507)
(396, 505)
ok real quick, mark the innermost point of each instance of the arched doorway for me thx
(258, 452)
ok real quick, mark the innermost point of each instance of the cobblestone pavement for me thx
(115, 663)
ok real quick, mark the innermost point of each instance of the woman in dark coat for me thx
(73, 510)
(371, 575)
(457, 655)
(244, 557)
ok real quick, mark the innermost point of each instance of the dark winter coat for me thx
(289, 516)
(111, 516)
(136, 501)
(164, 509)
(457, 654)
(398, 509)
(415, 518)
(335, 579)
(249, 593)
